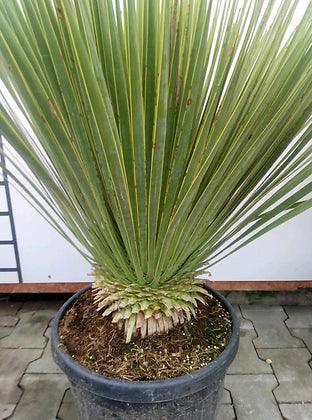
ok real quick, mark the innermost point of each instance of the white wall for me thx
(283, 254)
(45, 256)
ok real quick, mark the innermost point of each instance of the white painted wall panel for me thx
(283, 254)
(5, 229)
(3, 203)
(7, 257)
(45, 255)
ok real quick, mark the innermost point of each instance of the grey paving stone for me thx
(49, 307)
(41, 305)
(244, 324)
(6, 410)
(252, 396)
(67, 409)
(28, 333)
(8, 321)
(46, 363)
(5, 331)
(42, 396)
(299, 316)
(13, 363)
(298, 297)
(68, 412)
(247, 360)
(296, 411)
(9, 307)
(293, 374)
(8, 311)
(226, 412)
(68, 398)
(305, 334)
(270, 327)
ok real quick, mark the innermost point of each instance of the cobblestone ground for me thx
(270, 379)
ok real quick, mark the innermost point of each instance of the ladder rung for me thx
(7, 270)
(10, 242)
(2, 182)
(4, 213)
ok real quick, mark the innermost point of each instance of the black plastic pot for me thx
(189, 397)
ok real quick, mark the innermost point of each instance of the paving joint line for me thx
(21, 395)
(42, 373)
(21, 377)
(30, 373)
(298, 338)
(61, 402)
(31, 348)
(235, 412)
(44, 334)
(23, 348)
(250, 374)
(281, 348)
(273, 393)
(308, 402)
(18, 320)
(6, 336)
(19, 399)
(270, 364)
(20, 308)
(231, 403)
(231, 398)
(253, 343)
(31, 361)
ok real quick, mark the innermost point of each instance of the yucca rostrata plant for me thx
(162, 134)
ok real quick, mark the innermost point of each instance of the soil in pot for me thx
(94, 342)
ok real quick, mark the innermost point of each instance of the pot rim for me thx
(117, 387)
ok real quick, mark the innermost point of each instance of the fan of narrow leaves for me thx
(161, 135)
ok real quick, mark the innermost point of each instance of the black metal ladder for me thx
(9, 213)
